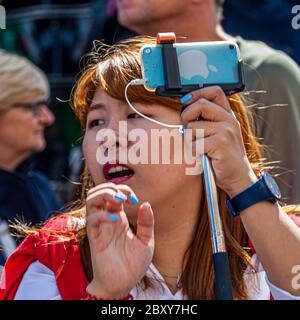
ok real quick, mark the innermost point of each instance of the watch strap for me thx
(257, 192)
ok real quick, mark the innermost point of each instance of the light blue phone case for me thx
(207, 63)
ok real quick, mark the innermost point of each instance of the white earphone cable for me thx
(137, 82)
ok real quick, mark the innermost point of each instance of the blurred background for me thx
(55, 34)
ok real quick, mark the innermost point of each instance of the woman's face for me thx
(22, 128)
(154, 181)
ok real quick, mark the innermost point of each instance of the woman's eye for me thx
(137, 116)
(97, 122)
(134, 116)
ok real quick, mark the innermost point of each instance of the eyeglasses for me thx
(33, 107)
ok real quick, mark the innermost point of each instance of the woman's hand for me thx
(222, 139)
(119, 258)
(275, 237)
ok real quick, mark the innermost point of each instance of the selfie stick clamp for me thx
(173, 87)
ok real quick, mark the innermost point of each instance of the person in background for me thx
(272, 78)
(24, 115)
(249, 21)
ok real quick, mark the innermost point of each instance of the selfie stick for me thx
(173, 87)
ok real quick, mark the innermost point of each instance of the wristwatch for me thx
(265, 188)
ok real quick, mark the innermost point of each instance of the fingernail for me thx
(120, 196)
(185, 130)
(186, 98)
(113, 216)
(147, 205)
(133, 198)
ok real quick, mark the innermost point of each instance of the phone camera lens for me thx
(231, 47)
(148, 50)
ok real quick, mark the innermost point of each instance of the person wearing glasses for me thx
(24, 115)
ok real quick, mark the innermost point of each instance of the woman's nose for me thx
(45, 115)
(117, 126)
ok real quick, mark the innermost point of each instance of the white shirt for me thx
(7, 242)
(39, 283)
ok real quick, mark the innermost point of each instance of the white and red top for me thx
(42, 269)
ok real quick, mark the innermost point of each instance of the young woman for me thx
(115, 246)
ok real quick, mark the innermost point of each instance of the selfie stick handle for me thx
(173, 87)
(223, 285)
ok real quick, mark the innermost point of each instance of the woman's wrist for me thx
(94, 293)
(240, 185)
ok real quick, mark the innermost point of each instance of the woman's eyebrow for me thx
(96, 106)
(142, 106)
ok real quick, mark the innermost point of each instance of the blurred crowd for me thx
(40, 51)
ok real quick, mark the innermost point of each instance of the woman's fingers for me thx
(231, 132)
(216, 139)
(119, 189)
(105, 199)
(102, 216)
(105, 204)
(208, 127)
(214, 94)
(101, 222)
(145, 224)
(207, 110)
(131, 196)
(109, 185)
(104, 192)
(208, 103)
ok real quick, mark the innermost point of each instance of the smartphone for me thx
(200, 64)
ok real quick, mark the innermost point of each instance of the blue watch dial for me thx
(272, 185)
(265, 188)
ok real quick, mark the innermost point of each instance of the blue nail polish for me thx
(186, 98)
(113, 216)
(120, 197)
(133, 199)
(185, 130)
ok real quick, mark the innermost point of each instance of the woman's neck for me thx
(169, 253)
(174, 230)
(10, 159)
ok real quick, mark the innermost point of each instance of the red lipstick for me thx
(116, 172)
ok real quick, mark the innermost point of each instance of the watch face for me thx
(272, 185)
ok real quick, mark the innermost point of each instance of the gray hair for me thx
(19, 78)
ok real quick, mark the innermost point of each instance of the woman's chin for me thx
(39, 145)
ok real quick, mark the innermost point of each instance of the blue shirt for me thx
(26, 195)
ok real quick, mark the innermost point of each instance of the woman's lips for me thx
(117, 173)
